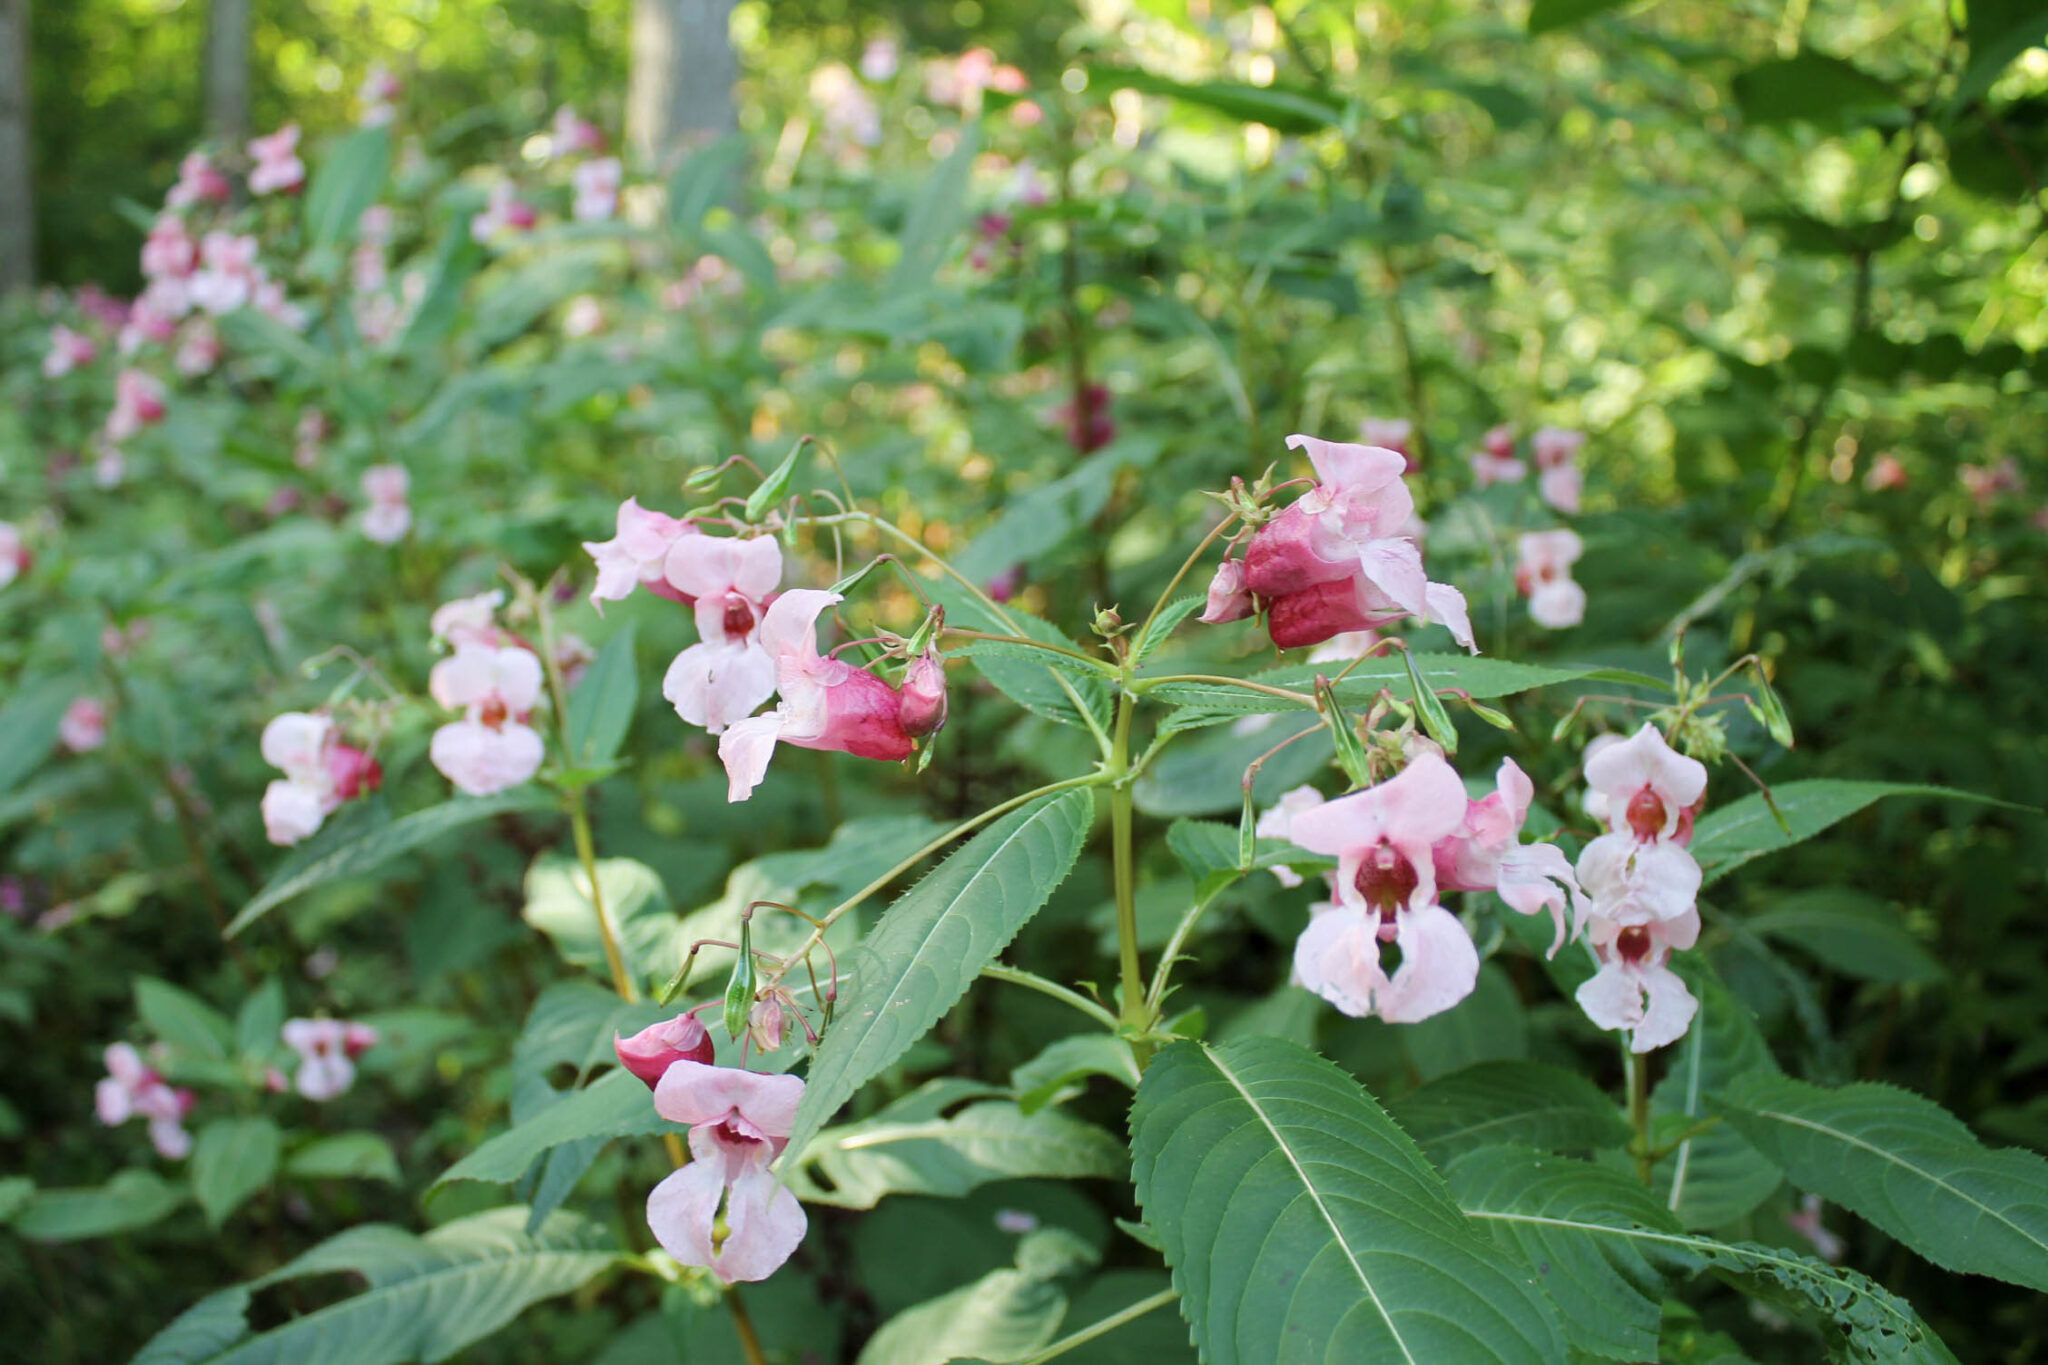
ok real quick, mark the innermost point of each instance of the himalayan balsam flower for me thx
(739, 1121)
(83, 727)
(649, 1053)
(826, 703)
(227, 277)
(68, 350)
(1391, 433)
(636, 555)
(389, 515)
(1485, 853)
(575, 134)
(1386, 890)
(138, 402)
(1341, 558)
(198, 183)
(320, 773)
(169, 253)
(729, 671)
(327, 1050)
(597, 189)
(1229, 599)
(469, 620)
(491, 748)
(277, 162)
(133, 1089)
(505, 212)
(1557, 452)
(1544, 576)
(15, 558)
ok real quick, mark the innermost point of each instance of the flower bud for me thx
(651, 1051)
(924, 695)
(765, 1022)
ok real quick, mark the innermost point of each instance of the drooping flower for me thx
(1635, 988)
(138, 402)
(649, 1053)
(83, 727)
(637, 554)
(1229, 599)
(728, 672)
(277, 162)
(320, 773)
(1650, 789)
(924, 695)
(199, 182)
(496, 688)
(227, 276)
(68, 351)
(133, 1089)
(327, 1050)
(826, 703)
(389, 515)
(1341, 557)
(1544, 576)
(15, 558)
(739, 1121)
(597, 189)
(1486, 853)
(1386, 890)
(505, 212)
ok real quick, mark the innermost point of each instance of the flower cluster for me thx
(320, 772)
(15, 559)
(1544, 576)
(389, 515)
(755, 643)
(1559, 480)
(1641, 883)
(494, 679)
(133, 1089)
(328, 1049)
(83, 727)
(1344, 557)
(1399, 845)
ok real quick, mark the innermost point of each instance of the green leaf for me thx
(1907, 1165)
(558, 904)
(15, 1193)
(133, 1199)
(1608, 1289)
(913, 1147)
(1547, 16)
(345, 1156)
(1481, 676)
(936, 216)
(260, 1021)
(1522, 1103)
(1853, 932)
(1998, 32)
(1260, 1164)
(232, 1159)
(617, 1104)
(601, 707)
(1030, 677)
(1294, 110)
(1004, 1316)
(1715, 1177)
(182, 1021)
(361, 856)
(202, 1331)
(1567, 1213)
(1812, 87)
(1727, 838)
(428, 1297)
(1063, 1066)
(1169, 619)
(932, 943)
(704, 180)
(28, 727)
(347, 181)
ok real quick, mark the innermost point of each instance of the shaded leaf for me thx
(1727, 838)
(133, 1199)
(1523, 1103)
(232, 1159)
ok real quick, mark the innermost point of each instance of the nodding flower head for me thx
(649, 1053)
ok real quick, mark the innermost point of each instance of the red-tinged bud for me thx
(650, 1052)
(765, 1022)
(924, 696)
(357, 1039)
(355, 773)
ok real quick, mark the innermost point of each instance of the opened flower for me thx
(1635, 988)
(320, 773)
(1647, 788)
(637, 554)
(597, 189)
(726, 1211)
(1544, 576)
(496, 688)
(277, 162)
(133, 1089)
(389, 515)
(729, 671)
(1486, 853)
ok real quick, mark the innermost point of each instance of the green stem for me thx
(1639, 1114)
(1102, 666)
(1164, 971)
(1131, 984)
(1107, 1325)
(1016, 976)
(743, 1325)
(1144, 685)
(1146, 644)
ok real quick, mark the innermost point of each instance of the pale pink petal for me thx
(745, 749)
(1611, 998)
(1350, 467)
(789, 630)
(1620, 771)
(1560, 487)
(1395, 568)
(764, 1226)
(296, 743)
(385, 523)
(292, 811)
(170, 1139)
(113, 1102)
(1439, 966)
(1338, 957)
(323, 1077)
(1669, 1013)
(1557, 604)
(693, 1093)
(1229, 599)
(1447, 608)
(682, 1210)
(482, 760)
(716, 685)
(1535, 877)
(757, 567)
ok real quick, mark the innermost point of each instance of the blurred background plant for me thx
(1039, 275)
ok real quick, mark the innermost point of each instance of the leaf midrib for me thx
(1337, 1233)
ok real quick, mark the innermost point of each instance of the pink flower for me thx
(199, 350)
(1885, 472)
(574, 134)
(597, 189)
(1560, 487)
(1986, 484)
(1339, 559)
(1544, 576)
(379, 95)
(1486, 853)
(1229, 599)
(637, 553)
(1648, 788)
(1390, 433)
(924, 696)
(826, 703)
(169, 251)
(469, 620)
(84, 725)
(320, 773)
(504, 213)
(198, 182)
(1634, 988)
(277, 162)
(154, 318)
(15, 558)
(389, 515)
(227, 277)
(649, 1053)
(326, 1058)
(269, 299)
(738, 1121)
(68, 351)
(491, 748)
(134, 1090)
(138, 402)
(728, 672)
(1555, 447)
(1278, 823)
(1489, 469)
(1386, 889)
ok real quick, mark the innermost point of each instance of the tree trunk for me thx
(17, 184)
(680, 89)
(227, 71)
